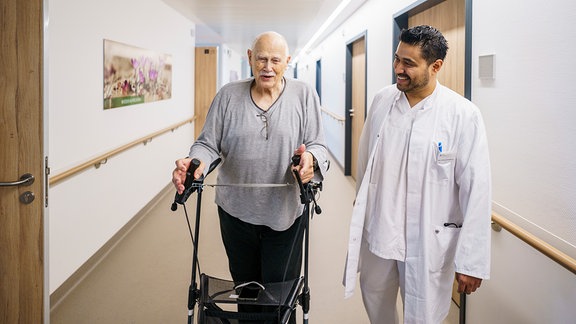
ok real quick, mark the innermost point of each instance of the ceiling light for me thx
(321, 30)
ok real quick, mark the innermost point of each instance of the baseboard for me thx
(79, 275)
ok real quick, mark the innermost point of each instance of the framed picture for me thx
(134, 75)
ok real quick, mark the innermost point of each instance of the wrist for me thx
(314, 162)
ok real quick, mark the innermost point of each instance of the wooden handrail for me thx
(101, 159)
(333, 115)
(561, 258)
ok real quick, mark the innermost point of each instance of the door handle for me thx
(25, 180)
(351, 112)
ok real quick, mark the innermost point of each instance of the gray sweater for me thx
(235, 132)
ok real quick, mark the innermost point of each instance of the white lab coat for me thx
(451, 186)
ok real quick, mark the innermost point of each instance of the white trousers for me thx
(380, 280)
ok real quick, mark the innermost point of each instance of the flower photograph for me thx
(134, 75)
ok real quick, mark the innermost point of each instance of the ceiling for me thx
(237, 22)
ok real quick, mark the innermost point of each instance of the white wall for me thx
(529, 113)
(88, 209)
(230, 65)
(332, 52)
(525, 287)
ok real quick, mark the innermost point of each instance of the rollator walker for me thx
(215, 296)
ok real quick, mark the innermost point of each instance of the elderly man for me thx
(255, 126)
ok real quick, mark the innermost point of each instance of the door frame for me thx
(319, 79)
(45, 140)
(348, 100)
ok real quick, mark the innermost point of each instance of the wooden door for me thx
(205, 84)
(358, 111)
(21, 152)
(450, 19)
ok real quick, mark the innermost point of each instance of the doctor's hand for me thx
(179, 173)
(306, 166)
(467, 284)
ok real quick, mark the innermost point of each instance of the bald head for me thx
(270, 38)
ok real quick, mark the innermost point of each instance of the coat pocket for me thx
(442, 169)
(443, 248)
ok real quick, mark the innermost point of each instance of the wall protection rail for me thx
(561, 258)
(333, 115)
(101, 159)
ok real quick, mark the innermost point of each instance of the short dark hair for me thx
(431, 41)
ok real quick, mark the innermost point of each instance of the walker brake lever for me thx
(295, 160)
(188, 187)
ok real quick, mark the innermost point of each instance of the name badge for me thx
(446, 156)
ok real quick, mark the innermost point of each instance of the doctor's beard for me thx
(414, 84)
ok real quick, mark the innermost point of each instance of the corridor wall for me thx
(85, 211)
(529, 111)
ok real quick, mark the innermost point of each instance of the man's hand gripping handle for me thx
(188, 188)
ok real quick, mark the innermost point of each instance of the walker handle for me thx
(188, 188)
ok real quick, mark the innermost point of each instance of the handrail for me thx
(561, 258)
(101, 159)
(333, 115)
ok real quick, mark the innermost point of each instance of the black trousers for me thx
(259, 253)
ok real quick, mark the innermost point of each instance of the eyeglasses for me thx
(264, 129)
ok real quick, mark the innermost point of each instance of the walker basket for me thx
(218, 302)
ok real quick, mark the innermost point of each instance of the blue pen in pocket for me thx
(440, 147)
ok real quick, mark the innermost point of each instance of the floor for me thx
(145, 278)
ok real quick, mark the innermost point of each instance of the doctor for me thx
(422, 211)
